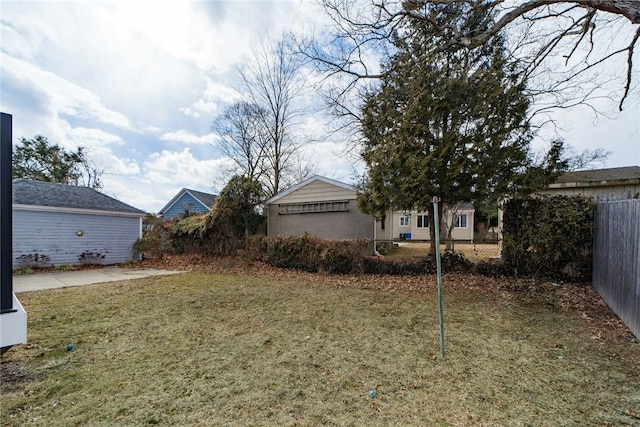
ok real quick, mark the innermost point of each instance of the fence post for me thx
(6, 232)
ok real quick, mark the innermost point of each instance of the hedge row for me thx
(543, 237)
(312, 254)
(549, 237)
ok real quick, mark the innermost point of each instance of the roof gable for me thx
(205, 199)
(38, 193)
(306, 182)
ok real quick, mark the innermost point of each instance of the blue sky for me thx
(138, 84)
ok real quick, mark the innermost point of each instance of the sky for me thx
(139, 83)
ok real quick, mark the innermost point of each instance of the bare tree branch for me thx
(630, 50)
(272, 82)
(567, 29)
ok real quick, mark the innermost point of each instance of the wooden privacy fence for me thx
(616, 259)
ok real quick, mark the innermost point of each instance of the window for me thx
(314, 207)
(461, 221)
(405, 221)
(423, 221)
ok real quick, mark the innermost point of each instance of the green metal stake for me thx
(436, 223)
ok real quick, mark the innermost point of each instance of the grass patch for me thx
(473, 252)
(23, 270)
(236, 349)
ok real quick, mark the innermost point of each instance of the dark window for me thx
(423, 221)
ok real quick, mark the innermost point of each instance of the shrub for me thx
(295, 252)
(549, 237)
(225, 229)
(156, 240)
(313, 254)
(310, 253)
(341, 257)
(91, 258)
(149, 247)
(385, 247)
(449, 262)
(34, 260)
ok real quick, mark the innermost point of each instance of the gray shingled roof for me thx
(599, 175)
(206, 198)
(37, 193)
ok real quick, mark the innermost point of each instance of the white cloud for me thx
(90, 137)
(23, 38)
(182, 169)
(134, 192)
(188, 138)
(213, 97)
(63, 96)
(332, 160)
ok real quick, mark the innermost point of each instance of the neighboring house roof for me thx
(205, 199)
(599, 177)
(460, 207)
(307, 182)
(48, 194)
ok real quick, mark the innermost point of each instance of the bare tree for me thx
(300, 168)
(90, 174)
(273, 83)
(242, 137)
(586, 159)
(582, 34)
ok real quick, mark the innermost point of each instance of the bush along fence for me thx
(549, 237)
(616, 259)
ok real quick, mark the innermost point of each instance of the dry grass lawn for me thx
(474, 252)
(207, 348)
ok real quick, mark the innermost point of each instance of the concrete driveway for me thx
(62, 279)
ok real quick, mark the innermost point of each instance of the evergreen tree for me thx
(40, 160)
(454, 127)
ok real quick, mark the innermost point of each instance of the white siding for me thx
(318, 191)
(393, 229)
(54, 234)
(596, 192)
